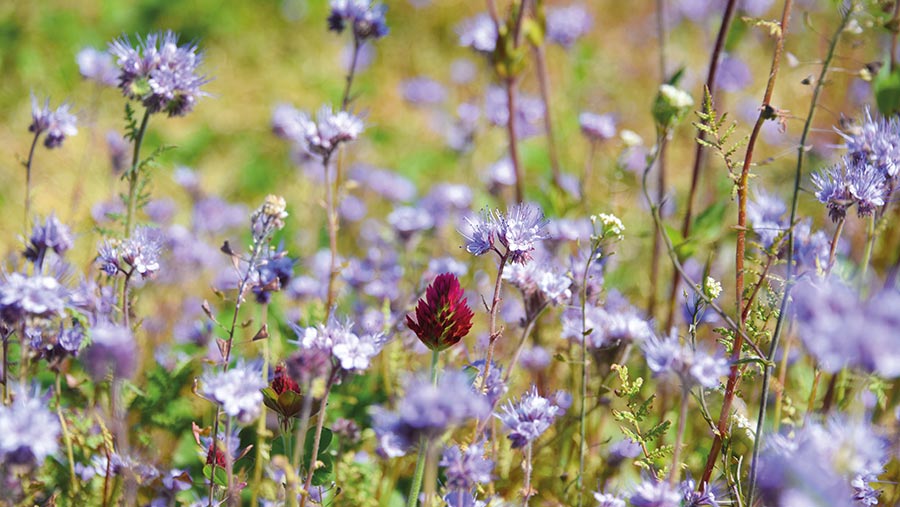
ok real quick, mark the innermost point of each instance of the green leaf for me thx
(887, 90)
(324, 442)
(708, 224)
(221, 475)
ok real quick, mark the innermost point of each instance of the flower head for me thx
(97, 66)
(478, 33)
(51, 235)
(565, 25)
(522, 226)
(142, 250)
(875, 143)
(269, 217)
(28, 430)
(237, 390)
(442, 318)
(654, 493)
(57, 124)
(112, 350)
(464, 469)
(853, 181)
(319, 137)
(159, 73)
(37, 296)
(365, 17)
(667, 356)
(597, 127)
(528, 418)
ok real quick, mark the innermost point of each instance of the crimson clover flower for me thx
(443, 317)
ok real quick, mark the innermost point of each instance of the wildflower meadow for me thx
(390, 253)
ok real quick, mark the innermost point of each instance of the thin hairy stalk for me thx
(229, 468)
(757, 286)
(125, 306)
(582, 426)
(782, 314)
(67, 438)
(832, 250)
(513, 139)
(239, 300)
(675, 473)
(134, 174)
(345, 102)
(782, 379)
(529, 327)
(660, 160)
(494, 333)
(261, 432)
(710, 87)
(660, 195)
(28, 163)
(3, 376)
(867, 253)
(740, 251)
(540, 59)
(528, 468)
(303, 427)
(317, 439)
(332, 236)
(413, 498)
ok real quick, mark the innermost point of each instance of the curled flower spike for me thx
(442, 318)
(57, 124)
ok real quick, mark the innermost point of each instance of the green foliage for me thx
(324, 473)
(887, 90)
(162, 402)
(636, 426)
(716, 135)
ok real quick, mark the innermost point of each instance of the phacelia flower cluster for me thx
(57, 124)
(50, 235)
(35, 297)
(337, 341)
(138, 254)
(319, 137)
(529, 417)
(159, 73)
(363, 16)
(668, 356)
(237, 390)
(518, 231)
(852, 181)
(442, 318)
(427, 411)
(28, 430)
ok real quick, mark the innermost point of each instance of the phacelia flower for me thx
(97, 66)
(480, 238)
(363, 16)
(853, 181)
(442, 318)
(528, 418)
(875, 143)
(57, 124)
(351, 351)
(142, 250)
(51, 235)
(597, 127)
(112, 350)
(31, 297)
(478, 33)
(427, 411)
(423, 91)
(654, 493)
(667, 356)
(159, 73)
(320, 137)
(565, 25)
(237, 390)
(464, 469)
(28, 430)
(268, 218)
(608, 500)
(522, 227)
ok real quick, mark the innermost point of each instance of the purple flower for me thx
(407, 221)
(112, 350)
(667, 356)
(427, 411)
(480, 237)
(765, 213)
(423, 91)
(37, 296)
(478, 33)
(597, 127)
(28, 430)
(734, 74)
(118, 148)
(875, 143)
(142, 250)
(529, 113)
(466, 469)
(522, 226)
(237, 390)
(611, 325)
(97, 66)
(528, 418)
(51, 235)
(366, 18)
(608, 500)
(654, 493)
(159, 73)
(320, 137)
(495, 387)
(351, 351)
(383, 182)
(57, 124)
(565, 25)
(534, 358)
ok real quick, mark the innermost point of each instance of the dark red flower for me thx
(282, 382)
(442, 318)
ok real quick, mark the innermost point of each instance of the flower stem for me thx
(582, 446)
(67, 438)
(331, 215)
(527, 474)
(320, 423)
(494, 334)
(413, 498)
(782, 313)
(834, 241)
(28, 182)
(679, 437)
(513, 140)
(261, 431)
(345, 101)
(134, 174)
(740, 251)
(303, 427)
(867, 253)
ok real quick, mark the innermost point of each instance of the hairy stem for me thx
(413, 498)
(740, 252)
(528, 468)
(834, 241)
(679, 436)
(494, 334)
(513, 140)
(261, 431)
(134, 174)
(67, 438)
(28, 163)
(331, 213)
(345, 101)
(317, 439)
(782, 314)
(540, 58)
